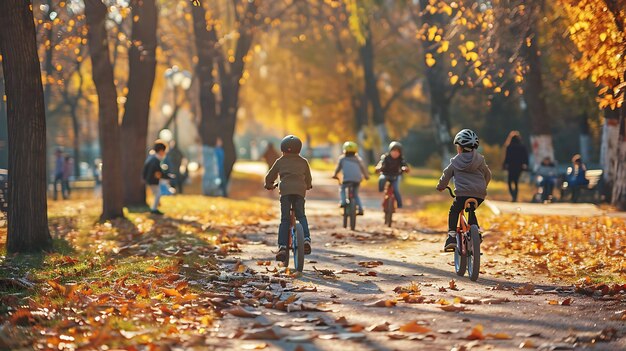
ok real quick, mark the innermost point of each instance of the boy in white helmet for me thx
(471, 177)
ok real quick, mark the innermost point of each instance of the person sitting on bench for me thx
(576, 177)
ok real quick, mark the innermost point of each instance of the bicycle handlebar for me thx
(450, 191)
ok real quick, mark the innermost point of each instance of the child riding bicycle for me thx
(353, 170)
(295, 180)
(471, 177)
(391, 166)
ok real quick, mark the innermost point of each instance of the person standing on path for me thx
(58, 173)
(68, 172)
(515, 161)
(153, 173)
(270, 155)
(219, 155)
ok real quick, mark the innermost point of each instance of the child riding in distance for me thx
(471, 177)
(391, 166)
(295, 180)
(353, 169)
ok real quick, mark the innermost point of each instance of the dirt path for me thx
(512, 313)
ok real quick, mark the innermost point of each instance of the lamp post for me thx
(176, 79)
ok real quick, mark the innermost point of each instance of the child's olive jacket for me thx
(294, 172)
(471, 175)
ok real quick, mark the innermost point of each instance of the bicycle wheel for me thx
(352, 213)
(345, 216)
(389, 212)
(473, 257)
(298, 248)
(460, 261)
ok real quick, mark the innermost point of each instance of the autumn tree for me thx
(109, 131)
(226, 55)
(134, 128)
(27, 216)
(597, 28)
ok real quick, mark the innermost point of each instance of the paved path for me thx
(553, 209)
(346, 288)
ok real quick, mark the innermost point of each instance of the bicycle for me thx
(467, 253)
(350, 210)
(296, 240)
(389, 201)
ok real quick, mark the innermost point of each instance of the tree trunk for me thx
(366, 53)
(205, 47)
(134, 129)
(618, 198)
(4, 155)
(206, 50)
(109, 130)
(27, 216)
(541, 135)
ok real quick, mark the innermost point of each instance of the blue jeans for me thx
(285, 218)
(343, 190)
(394, 182)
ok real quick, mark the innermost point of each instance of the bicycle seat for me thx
(471, 205)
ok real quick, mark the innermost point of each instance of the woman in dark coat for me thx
(515, 161)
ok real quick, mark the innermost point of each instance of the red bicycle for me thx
(468, 238)
(389, 201)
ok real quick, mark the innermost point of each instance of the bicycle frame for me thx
(389, 194)
(292, 226)
(463, 227)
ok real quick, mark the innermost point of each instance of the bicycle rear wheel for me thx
(352, 213)
(345, 216)
(473, 257)
(460, 261)
(298, 248)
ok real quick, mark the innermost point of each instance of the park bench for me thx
(591, 192)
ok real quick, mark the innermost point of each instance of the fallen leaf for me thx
(171, 292)
(370, 264)
(260, 346)
(379, 327)
(454, 308)
(241, 312)
(382, 303)
(452, 285)
(476, 334)
(499, 336)
(527, 344)
(260, 334)
(414, 327)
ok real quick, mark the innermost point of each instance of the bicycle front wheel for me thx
(298, 248)
(389, 212)
(473, 257)
(460, 261)
(352, 212)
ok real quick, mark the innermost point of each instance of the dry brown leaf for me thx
(260, 334)
(499, 336)
(476, 333)
(382, 303)
(241, 312)
(414, 327)
(171, 292)
(379, 327)
(454, 308)
(370, 264)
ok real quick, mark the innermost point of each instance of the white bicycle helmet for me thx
(466, 138)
